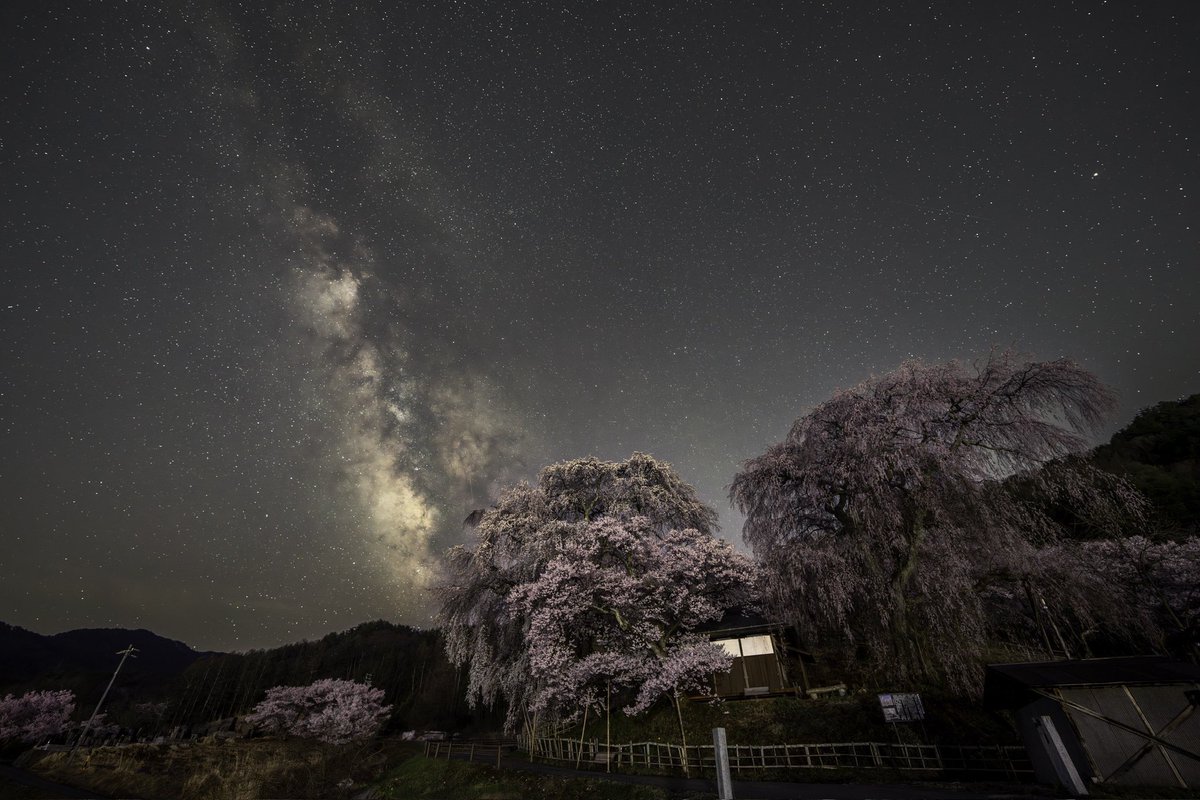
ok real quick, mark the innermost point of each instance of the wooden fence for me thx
(486, 750)
(999, 762)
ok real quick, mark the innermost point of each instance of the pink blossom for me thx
(35, 716)
(329, 710)
(593, 578)
(888, 512)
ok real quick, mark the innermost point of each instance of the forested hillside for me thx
(1159, 451)
(169, 685)
(408, 664)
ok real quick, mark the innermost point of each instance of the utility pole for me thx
(124, 654)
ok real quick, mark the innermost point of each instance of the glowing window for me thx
(729, 646)
(757, 646)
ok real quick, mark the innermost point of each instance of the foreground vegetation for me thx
(225, 770)
(424, 777)
(791, 720)
(251, 769)
(11, 790)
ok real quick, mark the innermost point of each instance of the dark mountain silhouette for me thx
(78, 659)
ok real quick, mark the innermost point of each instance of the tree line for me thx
(408, 665)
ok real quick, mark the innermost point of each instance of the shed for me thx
(758, 647)
(1129, 720)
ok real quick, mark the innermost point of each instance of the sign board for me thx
(902, 707)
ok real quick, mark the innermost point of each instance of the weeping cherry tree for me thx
(887, 510)
(590, 582)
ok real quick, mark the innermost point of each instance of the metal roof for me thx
(738, 620)
(1007, 685)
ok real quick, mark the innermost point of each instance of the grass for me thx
(434, 779)
(257, 768)
(232, 770)
(10, 790)
(246, 769)
(791, 720)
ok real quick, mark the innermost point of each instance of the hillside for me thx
(81, 659)
(410, 665)
(197, 688)
(1159, 451)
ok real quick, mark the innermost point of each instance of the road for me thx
(12, 775)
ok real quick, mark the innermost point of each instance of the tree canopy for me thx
(329, 710)
(888, 509)
(594, 577)
(35, 716)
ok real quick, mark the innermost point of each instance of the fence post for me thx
(499, 750)
(721, 757)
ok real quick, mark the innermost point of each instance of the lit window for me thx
(730, 646)
(757, 646)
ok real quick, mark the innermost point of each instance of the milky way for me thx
(289, 289)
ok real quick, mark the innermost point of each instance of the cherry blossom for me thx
(329, 710)
(36, 716)
(592, 580)
(888, 510)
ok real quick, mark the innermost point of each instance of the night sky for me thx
(286, 290)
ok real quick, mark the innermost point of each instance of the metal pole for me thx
(721, 757)
(124, 654)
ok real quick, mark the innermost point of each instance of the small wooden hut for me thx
(759, 649)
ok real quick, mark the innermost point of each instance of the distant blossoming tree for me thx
(36, 716)
(99, 729)
(594, 578)
(888, 509)
(329, 710)
(1160, 580)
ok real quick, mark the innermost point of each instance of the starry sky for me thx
(287, 289)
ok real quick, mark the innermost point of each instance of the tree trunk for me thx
(907, 653)
(682, 735)
(608, 730)
(582, 731)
